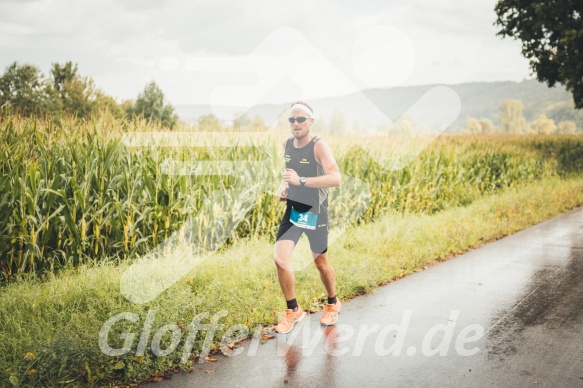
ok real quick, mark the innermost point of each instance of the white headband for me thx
(302, 107)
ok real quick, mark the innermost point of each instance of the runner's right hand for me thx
(283, 193)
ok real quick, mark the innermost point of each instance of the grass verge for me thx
(49, 331)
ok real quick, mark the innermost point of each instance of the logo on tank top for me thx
(287, 158)
(304, 161)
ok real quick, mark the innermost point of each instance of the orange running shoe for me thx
(330, 313)
(289, 320)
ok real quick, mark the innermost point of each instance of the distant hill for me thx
(479, 99)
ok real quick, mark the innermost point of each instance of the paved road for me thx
(507, 314)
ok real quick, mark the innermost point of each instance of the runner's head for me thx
(301, 118)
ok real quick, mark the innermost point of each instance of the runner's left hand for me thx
(290, 176)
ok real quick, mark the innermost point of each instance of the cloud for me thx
(120, 42)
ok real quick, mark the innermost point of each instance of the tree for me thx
(151, 105)
(209, 123)
(337, 122)
(26, 91)
(511, 118)
(567, 127)
(488, 127)
(105, 103)
(257, 124)
(473, 126)
(482, 127)
(552, 39)
(70, 93)
(319, 125)
(543, 126)
(241, 121)
(564, 111)
(21, 88)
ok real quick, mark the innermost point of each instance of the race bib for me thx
(306, 220)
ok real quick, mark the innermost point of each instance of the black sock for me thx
(292, 304)
(332, 300)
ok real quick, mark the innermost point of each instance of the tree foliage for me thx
(21, 88)
(567, 127)
(337, 122)
(479, 127)
(511, 118)
(488, 127)
(241, 121)
(318, 126)
(563, 111)
(473, 126)
(543, 126)
(69, 92)
(26, 91)
(210, 123)
(552, 39)
(151, 104)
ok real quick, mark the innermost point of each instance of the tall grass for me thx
(74, 194)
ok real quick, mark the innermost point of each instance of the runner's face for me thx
(300, 130)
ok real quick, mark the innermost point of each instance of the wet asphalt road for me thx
(508, 314)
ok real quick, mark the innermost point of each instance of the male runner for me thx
(310, 170)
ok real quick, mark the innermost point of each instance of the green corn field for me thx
(74, 193)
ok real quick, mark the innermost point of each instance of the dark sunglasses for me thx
(298, 119)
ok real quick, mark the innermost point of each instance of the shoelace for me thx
(329, 308)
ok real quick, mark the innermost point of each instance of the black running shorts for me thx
(318, 237)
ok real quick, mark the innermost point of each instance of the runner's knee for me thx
(281, 261)
(322, 265)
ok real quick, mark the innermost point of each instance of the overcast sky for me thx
(273, 50)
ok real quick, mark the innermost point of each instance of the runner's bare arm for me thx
(285, 186)
(325, 158)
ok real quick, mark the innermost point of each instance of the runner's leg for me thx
(319, 245)
(285, 273)
(327, 273)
